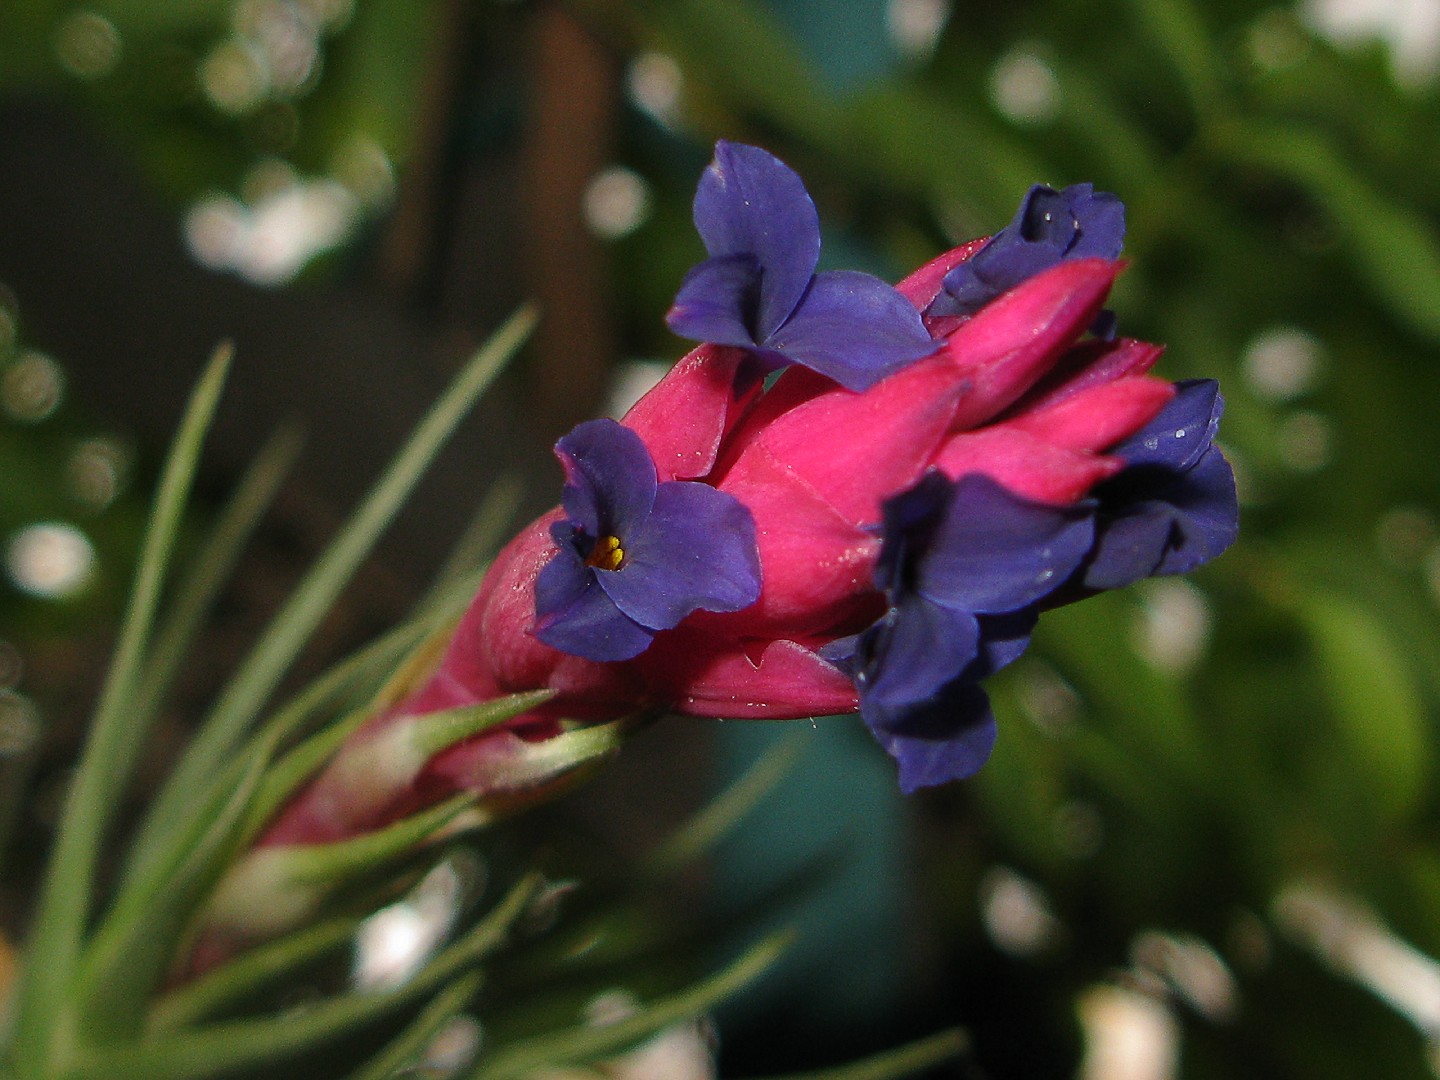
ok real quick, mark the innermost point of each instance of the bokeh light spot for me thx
(50, 559)
(1023, 89)
(655, 82)
(19, 724)
(616, 202)
(1305, 441)
(87, 44)
(915, 26)
(1174, 624)
(1282, 363)
(234, 77)
(1016, 913)
(362, 165)
(96, 471)
(32, 387)
(1405, 535)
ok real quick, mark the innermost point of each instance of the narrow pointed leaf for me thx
(249, 972)
(575, 1046)
(409, 1045)
(134, 946)
(1391, 242)
(894, 1064)
(262, 670)
(435, 731)
(482, 538)
(274, 889)
(64, 905)
(241, 1047)
(364, 668)
(198, 587)
(423, 737)
(1374, 695)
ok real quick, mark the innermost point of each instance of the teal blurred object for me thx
(847, 40)
(832, 841)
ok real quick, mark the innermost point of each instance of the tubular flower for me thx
(874, 529)
(636, 556)
(759, 289)
(1051, 226)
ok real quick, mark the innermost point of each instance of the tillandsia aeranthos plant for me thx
(850, 497)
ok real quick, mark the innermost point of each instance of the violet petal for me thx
(562, 580)
(1181, 432)
(994, 551)
(590, 625)
(949, 739)
(1178, 522)
(717, 300)
(1049, 227)
(854, 328)
(610, 479)
(910, 654)
(1101, 220)
(696, 551)
(1003, 638)
(749, 202)
(910, 519)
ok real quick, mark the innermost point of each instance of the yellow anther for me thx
(607, 554)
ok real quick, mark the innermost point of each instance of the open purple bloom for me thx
(1174, 505)
(759, 290)
(1049, 227)
(963, 566)
(636, 556)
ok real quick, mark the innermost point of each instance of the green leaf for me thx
(398, 752)
(136, 943)
(250, 971)
(253, 684)
(1374, 698)
(367, 665)
(408, 1047)
(486, 532)
(436, 731)
(249, 1044)
(274, 889)
(53, 952)
(1393, 245)
(905, 1061)
(1175, 26)
(198, 587)
(582, 1044)
(355, 680)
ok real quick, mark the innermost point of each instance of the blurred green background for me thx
(1209, 842)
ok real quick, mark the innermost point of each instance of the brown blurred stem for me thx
(569, 137)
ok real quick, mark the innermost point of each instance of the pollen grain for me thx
(607, 554)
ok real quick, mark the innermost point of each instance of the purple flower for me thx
(636, 555)
(1049, 227)
(1174, 506)
(963, 566)
(759, 290)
